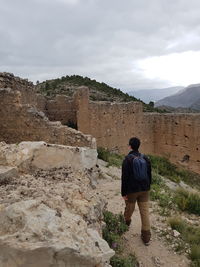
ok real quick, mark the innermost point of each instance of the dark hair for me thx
(134, 142)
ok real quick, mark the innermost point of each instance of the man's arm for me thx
(124, 178)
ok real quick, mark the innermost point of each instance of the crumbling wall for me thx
(175, 136)
(8, 80)
(61, 108)
(20, 122)
(112, 124)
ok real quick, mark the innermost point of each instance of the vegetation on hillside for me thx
(98, 91)
(164, 167)
(112, 158)
(189, 234)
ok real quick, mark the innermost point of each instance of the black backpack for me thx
(140, 168)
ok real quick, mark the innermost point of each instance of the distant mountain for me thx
(187, 98)
(155, 94)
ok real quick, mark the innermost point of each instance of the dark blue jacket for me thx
(129, 184)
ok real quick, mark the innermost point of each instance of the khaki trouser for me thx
(142, 199)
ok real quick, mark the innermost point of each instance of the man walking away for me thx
(136, 181)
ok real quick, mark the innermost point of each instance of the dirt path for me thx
(157, 254)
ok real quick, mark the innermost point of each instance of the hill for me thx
(187, 98)
(98, 91)
(148, 95)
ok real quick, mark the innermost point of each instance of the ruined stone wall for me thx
(23, 122)
(175, 136)
(112, 124)
(61, 108)
(8, 80)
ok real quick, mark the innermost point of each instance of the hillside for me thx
(148, 95)
(98, 91)
(187, 98)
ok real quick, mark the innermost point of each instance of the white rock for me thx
(176, 233)
(7, 173)
(32, 234)
(39, 155)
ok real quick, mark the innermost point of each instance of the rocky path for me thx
(157, 254)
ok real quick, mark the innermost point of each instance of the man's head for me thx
(134, 143)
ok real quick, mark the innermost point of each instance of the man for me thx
(136, 181)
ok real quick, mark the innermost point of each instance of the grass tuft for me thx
(189, 234)
(188, 201)
(112, 158)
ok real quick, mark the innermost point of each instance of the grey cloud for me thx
(101, 39)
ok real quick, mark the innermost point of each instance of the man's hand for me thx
(125, 197)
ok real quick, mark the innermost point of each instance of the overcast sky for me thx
(129, 44)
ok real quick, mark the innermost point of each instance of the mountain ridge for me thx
(187, 98)
(154, 95)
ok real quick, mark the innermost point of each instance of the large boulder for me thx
(40, 155)
(32, 234)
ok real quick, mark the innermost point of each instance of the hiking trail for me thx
(158, 253)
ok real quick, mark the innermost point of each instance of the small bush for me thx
(121, 261)
(112, 232)
(112, 158)
(177, 224)
(195, 253)
(156, 179)
(115, 227)
(189, 234)
(187, 201)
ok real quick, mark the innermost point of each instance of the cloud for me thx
(105, 40)
(175, 67)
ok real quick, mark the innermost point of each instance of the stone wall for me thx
(176, 136)
(8, 80)
(113, 124)
(20, 122)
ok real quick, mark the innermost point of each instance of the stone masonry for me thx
(21, 121)
(175, 136)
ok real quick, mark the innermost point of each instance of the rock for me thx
(101, 162)
(176, 233)
(40, 155)
(32, 234)
(7, 173)
(157, 261)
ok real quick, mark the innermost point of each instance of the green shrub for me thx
(115, 227)
(187, 201)
(112, 158)
(122, 261)
(112, 232)
(189, 234)
(161, 193)
(195, 253)
(115, 223)
(157, 180)
(177, 224)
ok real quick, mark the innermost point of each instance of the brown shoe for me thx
(146, 236)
